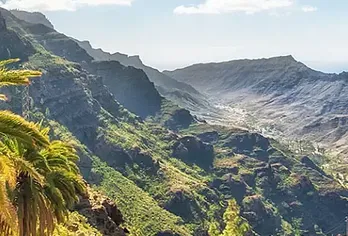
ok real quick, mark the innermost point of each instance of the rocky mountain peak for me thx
(288, 58)
(32, 17)
(271, 61)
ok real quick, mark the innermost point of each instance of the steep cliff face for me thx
(154, 75)
(180, 93)
(129, 85)
(12, 45)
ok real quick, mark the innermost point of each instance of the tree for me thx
(39, 179)
(214, 229)
(235, 225)
(13, 126)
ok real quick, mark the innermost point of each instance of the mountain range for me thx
(277, 95)
(170, 149)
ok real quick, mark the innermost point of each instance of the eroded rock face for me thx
(102, 213)
(192, 150)
(130, 86)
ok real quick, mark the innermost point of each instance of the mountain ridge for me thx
(168, 181)
(32, 17)
(278, 92)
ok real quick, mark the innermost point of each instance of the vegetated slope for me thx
(71, 101)
(168, 183)
(279, 93)
(129, 85)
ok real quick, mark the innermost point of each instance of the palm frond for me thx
(9, 61)
(17, 127)
(15, 77)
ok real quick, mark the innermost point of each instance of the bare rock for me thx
(102, 213)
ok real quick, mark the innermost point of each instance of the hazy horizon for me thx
(174, 34)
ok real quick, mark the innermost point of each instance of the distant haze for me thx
(172, 34)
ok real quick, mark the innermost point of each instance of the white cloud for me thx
(228, 6)
(309, 9)
(56, 5)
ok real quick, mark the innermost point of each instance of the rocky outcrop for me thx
(194, 151)
(101, 213)
(180, 119)
(251, 144)
(230, 187)
(54, 42)
(182, 204)
(160, 79)
(259, 215)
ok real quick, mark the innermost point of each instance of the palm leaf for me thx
(15, 77)
(27, 132)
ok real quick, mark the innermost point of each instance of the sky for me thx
(169, 34)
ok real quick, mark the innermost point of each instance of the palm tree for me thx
(8, 215)
(39, 179)
(13, 126)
